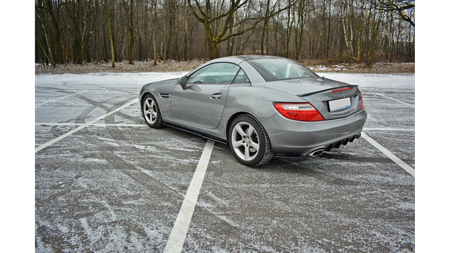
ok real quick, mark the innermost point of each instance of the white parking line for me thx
(391, 156)
(96, 125)
(82, 126)
(181, 225)
(389, 129)
(413, 106)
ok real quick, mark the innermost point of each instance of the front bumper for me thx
(290, 137)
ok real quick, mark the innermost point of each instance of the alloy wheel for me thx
(245, 141)
(150, 111)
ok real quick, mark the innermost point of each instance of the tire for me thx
(249, 142)
(150, 110)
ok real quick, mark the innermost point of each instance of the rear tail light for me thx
(362, 103)
(299, 111)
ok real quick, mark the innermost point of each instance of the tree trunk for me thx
(299, 30)
(110, 31)
(289, 23)
(230, 42)
(56, 31)
(155, 58)
(372, 47)
(164, 47)
(186, 30)
(41, 17)
(265, 26)
(130, 34)
(213, 49)
(175, 30)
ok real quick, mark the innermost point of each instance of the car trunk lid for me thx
(335, 103)
(331, 98)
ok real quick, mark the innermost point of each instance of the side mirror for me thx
(183, 81)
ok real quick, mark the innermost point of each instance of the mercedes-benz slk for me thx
(260, 106)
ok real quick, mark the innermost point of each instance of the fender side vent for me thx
(164, 95)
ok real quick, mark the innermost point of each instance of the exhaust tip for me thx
(316, 152)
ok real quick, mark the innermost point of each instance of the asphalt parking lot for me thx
(106, 182)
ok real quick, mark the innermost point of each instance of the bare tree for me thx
(110, 32)
(359, 30)
(405, 9)
(130, 28)
(269, 12)
(218, 21)
(40, 14)
(154, 14)
(82, 22)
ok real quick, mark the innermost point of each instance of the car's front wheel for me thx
(151, 112)
(249, 141)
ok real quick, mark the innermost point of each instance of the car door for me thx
(201, 102)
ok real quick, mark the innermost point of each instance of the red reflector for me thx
(342, 89)
(299, 111)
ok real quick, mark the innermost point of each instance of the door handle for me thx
(216, 96)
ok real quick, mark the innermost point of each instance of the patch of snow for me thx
(106, 78)
(364, 80)
(374, 80)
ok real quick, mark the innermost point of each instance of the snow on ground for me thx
(106, 78)
(174, 66)
(363, 80)
(117, 190)
(121, 67)
(374, 80)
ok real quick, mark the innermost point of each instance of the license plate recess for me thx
(339, 104)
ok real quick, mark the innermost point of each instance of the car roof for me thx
(255, 75)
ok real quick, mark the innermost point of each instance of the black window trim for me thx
(232, 82)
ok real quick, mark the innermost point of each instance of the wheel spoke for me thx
(237, 144)
(152, 105)
(239, 130)
(254, 145)
(247, 153)
(250, 130)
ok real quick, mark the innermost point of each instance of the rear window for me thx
(280, 69)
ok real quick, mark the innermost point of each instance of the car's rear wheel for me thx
(249, 141)
(151, 112)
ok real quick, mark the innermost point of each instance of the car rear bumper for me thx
(290, 137)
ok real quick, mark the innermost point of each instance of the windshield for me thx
(280, 69)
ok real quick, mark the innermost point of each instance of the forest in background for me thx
(85, 31)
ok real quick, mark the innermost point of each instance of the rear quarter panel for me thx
(257, 101)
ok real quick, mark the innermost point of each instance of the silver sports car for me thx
(260, 106)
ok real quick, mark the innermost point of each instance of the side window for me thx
(241, 77)
(215, 73)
